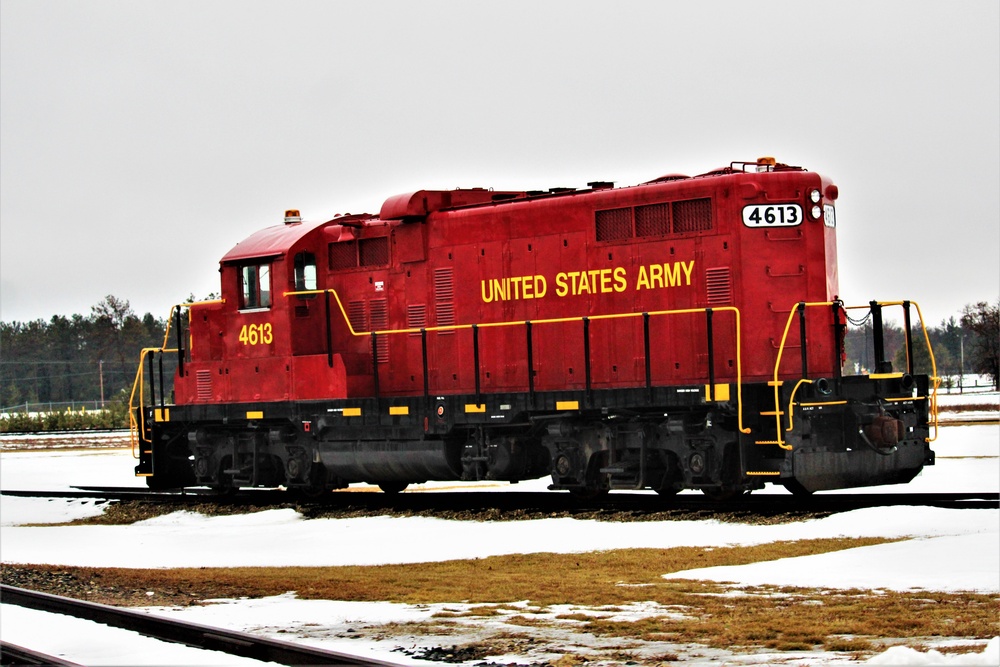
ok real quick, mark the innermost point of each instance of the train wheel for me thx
(317, 483)
(224, 487)
(312, 492)
(671, 479)
(392, 488)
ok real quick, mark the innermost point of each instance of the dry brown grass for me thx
(693, 612)
(590, 579)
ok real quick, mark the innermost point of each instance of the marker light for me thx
(292, 215)
(765, 164)
(814, 196)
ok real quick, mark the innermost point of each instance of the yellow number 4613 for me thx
(256, 334)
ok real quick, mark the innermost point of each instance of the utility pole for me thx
(100, 367)
(961, 363)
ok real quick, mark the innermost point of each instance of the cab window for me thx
(255, 286)
(305, 271)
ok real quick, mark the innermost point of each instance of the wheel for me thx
(392, 488)
(312, 492)
(223, 486)
(317, 483)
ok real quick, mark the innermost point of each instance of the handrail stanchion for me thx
(586, 355)
(152, 380)
(423, 356)
(646, 348)
(802, 339)
(711, 354)
(180, 341)
(531, 363)
(475, 358)
(162, 392)
(909, 339)
(878, 339)
(838, 342)
(375, 363)
(329, 332)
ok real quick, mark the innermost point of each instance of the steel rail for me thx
(12, 654)
(541, 501)
(192, 634)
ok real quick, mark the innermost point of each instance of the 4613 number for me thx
(772, 215)
(256, 334)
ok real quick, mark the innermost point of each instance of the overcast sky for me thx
(139, 141)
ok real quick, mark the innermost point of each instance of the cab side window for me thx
(305, 272)
(255, 286)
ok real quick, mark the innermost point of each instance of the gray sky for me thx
(139, 141)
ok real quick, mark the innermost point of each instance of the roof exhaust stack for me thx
(292, 216)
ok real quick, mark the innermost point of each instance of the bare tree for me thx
(983, 320)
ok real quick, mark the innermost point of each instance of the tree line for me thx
(84, 359)
(967, 344)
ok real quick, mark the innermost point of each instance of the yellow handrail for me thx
(791, 402)
(936, 381)
(556, 320)
(777, 366)
(934, 375)
(137, 427)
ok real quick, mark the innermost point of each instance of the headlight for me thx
(816, 212)
(814, 196)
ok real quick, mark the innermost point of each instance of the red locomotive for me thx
(682, 333)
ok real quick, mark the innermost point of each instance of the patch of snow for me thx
(91, 643)
(16, 511)
(902, 655)
(957, 563)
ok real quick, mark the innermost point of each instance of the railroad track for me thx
(978, 421)
(192, 634)
(526, 502)
(12, 654)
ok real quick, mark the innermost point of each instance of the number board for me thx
(772, 215)
(829, 216)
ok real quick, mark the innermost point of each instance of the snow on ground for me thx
(947, 550)
(185, 539)
(104, 645)
(957, 562)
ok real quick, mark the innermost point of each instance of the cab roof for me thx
(271, 241)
